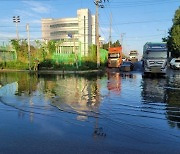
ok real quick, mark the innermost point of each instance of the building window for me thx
(64, 25)
(57, 33)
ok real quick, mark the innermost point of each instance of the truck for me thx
(114, 57)
(154, 60)
(133, 56)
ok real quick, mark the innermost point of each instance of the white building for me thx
(73, 34)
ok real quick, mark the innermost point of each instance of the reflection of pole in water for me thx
(98, 131)
(31, 104)
(31, 115)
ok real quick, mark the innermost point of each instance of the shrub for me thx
(14, 65)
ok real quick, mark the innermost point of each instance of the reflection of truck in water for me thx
(133, 56)
(115, 57)
(153, 90)
(154, 58)
(114, 82)
(160, 94)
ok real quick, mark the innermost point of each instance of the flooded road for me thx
(110, 113)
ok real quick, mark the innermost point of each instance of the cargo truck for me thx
(133, 56)
(154, 58)
(114, 57)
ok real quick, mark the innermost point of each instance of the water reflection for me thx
(153, 90)
(114, 82)
(173, 100)
(82, 95)
(74, 94)
(17, 92)
(115, 107)
(163, 94)
(34, 94)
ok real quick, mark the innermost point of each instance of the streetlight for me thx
(16, 19)
(29, 49)
(122, 37)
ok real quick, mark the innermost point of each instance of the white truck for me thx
(154, 58)
(133, 56)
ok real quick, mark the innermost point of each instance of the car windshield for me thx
(133, 54)
(155, 45)
(159, 54)
(113, 55)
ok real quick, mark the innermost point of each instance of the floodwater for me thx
(110, 113)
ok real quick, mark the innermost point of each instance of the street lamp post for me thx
(16, 19)
(29, 49)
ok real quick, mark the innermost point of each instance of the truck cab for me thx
(133, 56)
(154, 58)
(114, 57)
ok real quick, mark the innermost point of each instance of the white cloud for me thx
(37, 6)
(35, 21)
(25, 13)
(7, 35)
(6, 20)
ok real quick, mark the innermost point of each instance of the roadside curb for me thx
(54, 71)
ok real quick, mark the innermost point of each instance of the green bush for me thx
(46, 63)
(14, 65)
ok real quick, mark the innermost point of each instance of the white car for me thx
(175, 63)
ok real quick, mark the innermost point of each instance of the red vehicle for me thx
(114, 82)
(115, 57)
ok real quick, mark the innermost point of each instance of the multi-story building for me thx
(73, 34)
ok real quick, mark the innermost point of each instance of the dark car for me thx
(127, 66)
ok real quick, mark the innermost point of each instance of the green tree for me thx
(114, 44)
(15, 44)
(93, 53)
(106, 45)
(51, 47)
(21, 48)
(173, 40)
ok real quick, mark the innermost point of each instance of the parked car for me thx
(175, 63)
(127, 66)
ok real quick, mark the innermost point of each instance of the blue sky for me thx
(139, 21)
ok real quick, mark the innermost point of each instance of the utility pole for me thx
(29, 50)
(16, 19)
(110, 30)
(98, 4)
(97, 33)
(4, 59)
(122, 37)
